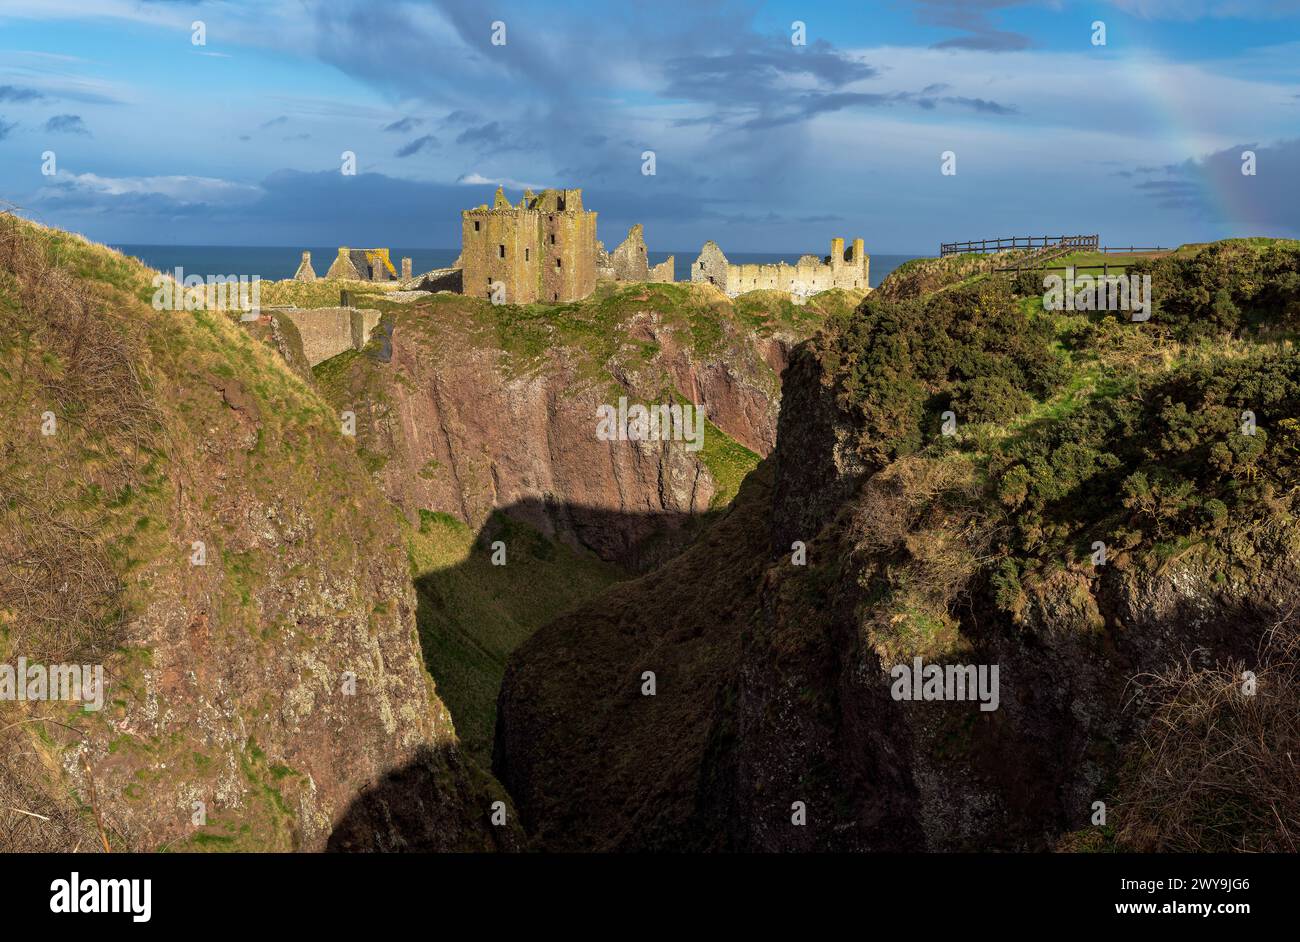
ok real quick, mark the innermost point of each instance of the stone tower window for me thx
(501, 251)
(526, 251)
(476, 225)
(552, 238)
(557, 263)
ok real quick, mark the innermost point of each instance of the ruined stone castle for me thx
(631, 261)
(355, 265)
(841, 269)
(544, 249)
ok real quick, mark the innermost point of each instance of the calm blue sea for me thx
(272, 262)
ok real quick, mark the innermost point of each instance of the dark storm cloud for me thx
(19, 94)
(756, 73)
(981, 104)
(812, 104)
(974, 18)
(402, 125)
(1214, 188)
(66, 124)
(290, 207)
(496, 138)
(417, 145)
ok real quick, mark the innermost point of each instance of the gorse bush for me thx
(1176, 456)
(901, 364)
(1227, 287)
(1157, 452)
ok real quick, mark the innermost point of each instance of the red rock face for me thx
(464, 434)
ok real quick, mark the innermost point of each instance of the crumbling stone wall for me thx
(711, 267)
(305, 272)
(442, 279)
(665, 272)
(544, 249)
(631, 261)
(840, 269)
(328, 331)
(343, 268)
(360, 265)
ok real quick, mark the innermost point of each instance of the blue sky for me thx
(760, 144)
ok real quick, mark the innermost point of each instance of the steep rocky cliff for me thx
(480, 423)
(480, 408)
(179, 507)
(953, 465)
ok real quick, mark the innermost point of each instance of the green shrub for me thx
(900, 364)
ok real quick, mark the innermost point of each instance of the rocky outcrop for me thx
(465, 437)
(229, 563)
(452, 425)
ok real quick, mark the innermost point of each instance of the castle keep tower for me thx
(544, 249)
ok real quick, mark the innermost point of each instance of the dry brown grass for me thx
(927, 511)
(1215, 769)
(64, 351)
(919, 532)
(67, 349)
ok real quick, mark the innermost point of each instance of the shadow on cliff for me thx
(440, 802)
(528, 564)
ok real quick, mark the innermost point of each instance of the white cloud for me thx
(185, 190)
(477, 179)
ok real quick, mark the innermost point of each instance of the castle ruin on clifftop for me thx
(545, 249)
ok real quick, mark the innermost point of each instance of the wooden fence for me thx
(1020, 242)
